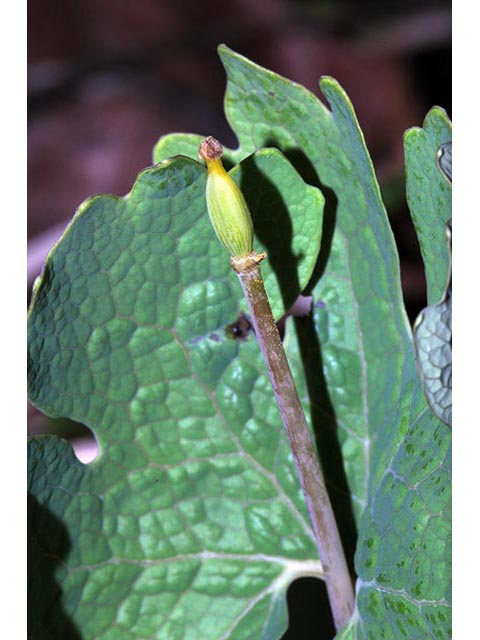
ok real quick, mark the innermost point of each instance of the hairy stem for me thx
(337, 578)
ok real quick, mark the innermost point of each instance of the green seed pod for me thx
(227, 209)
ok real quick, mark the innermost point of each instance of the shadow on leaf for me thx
(277, 236)
(48, 546)
(273, 227)
(309, 614)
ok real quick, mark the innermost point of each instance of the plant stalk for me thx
(337, 578)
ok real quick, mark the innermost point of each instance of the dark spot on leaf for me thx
(240, 329)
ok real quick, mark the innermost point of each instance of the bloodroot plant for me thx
(232, 461)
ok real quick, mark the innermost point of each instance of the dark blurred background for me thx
(107, 78)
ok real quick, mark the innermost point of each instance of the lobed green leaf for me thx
(191, 522)
(368, 399)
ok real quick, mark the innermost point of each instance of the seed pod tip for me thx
(210, 149)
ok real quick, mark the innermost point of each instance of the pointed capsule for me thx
(227, 209)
